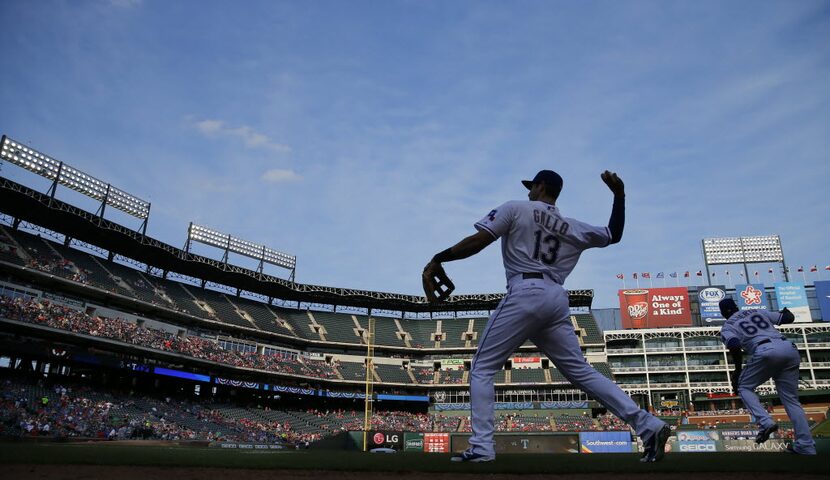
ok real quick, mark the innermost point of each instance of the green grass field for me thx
(103, 454)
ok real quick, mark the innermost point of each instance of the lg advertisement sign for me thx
(655, 307)
(386, 440)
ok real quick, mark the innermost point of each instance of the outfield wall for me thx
(686, 441)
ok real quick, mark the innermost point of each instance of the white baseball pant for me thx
(537, 309)
(779, 360)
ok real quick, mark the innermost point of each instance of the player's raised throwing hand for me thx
(615, 184)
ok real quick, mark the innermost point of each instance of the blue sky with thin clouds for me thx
(365, 136)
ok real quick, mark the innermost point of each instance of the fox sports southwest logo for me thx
(712, 294)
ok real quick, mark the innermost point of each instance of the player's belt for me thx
(767, 340)
(539, 275)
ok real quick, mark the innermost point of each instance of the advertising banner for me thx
(413, 442)
(530, 359)
(709, 309)
(655, 307)
(823, 297)
(741, 434)
(386, 440)
(437, 442)
(518, 443)
(605, 442)
(751, 296)
(447, 362)
(792, 296)
(751, 446)
(696, 441)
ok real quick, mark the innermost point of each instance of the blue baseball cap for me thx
(548, 177)
(728, 307)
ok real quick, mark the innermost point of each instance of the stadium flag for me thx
(773, 273)
(699, 273)
(660, 275)
(801, 268)
(646, 275)
(674, 274)
(827, 267)
(803, 275)
(621, 277)
(814, 268)
(635, 278)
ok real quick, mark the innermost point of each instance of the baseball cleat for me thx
(655, 446)
(765, 433)
(469, 456)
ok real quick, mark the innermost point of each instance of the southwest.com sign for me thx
(605, 442)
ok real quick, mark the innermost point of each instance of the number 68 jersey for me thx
(536, 238)
(751, 327)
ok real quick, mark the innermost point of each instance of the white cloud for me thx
(278, 175)
(250, 137)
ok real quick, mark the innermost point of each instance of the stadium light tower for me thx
(231, 244)
(60, 173)
(743, 250)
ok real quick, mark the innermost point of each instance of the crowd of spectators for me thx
(53, 315)
(609, 421)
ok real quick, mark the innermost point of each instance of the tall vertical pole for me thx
(370, 381)
(783, 262)
(706, 261)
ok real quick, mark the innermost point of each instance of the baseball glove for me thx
(437, 285)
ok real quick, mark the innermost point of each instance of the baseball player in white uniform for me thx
(540, 248)
(772, 356)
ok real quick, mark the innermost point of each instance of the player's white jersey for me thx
(535, 237)
(751, 327)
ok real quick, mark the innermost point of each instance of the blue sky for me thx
(365, 136)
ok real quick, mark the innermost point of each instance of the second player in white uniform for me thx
(772, 356)
(540, 248)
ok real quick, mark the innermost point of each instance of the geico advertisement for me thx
(697, 441)
(697, 447)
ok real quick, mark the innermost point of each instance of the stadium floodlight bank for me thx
(231, 244)
(726, 250)
(60, 173)
(743, 250)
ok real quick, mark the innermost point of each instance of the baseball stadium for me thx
(123, 355)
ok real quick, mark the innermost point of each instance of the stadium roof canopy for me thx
(37, 208)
